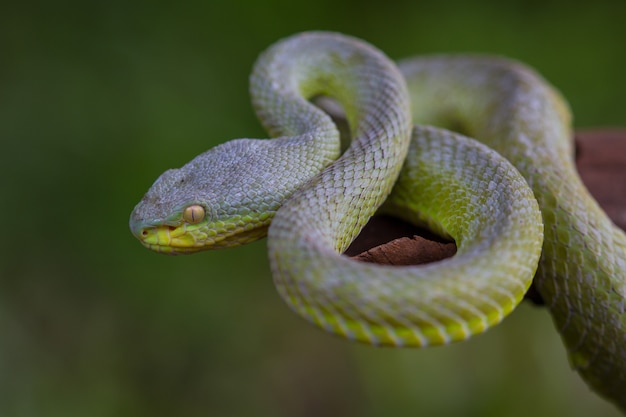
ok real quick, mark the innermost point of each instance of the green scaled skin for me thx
(317, 200)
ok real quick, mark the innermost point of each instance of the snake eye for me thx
(193, 214)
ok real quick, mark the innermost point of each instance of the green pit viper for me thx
(311, 200)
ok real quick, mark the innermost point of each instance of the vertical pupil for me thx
(193, 214)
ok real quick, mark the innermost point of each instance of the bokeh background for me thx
(97, 98)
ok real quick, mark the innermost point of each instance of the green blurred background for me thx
(98, 98)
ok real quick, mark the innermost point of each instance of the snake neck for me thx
(374, 97)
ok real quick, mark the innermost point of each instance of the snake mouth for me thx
(168, 239)
(180, 240)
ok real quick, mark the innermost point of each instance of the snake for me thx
(477, 148)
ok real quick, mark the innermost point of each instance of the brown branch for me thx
(601, 162)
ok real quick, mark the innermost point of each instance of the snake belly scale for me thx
(312, 201)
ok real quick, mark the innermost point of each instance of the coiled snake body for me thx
(318, 200)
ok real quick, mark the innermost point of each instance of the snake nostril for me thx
(144, 232)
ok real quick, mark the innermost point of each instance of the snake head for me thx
(225, 197)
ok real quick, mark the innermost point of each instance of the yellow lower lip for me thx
(171, 250)
(167, 239)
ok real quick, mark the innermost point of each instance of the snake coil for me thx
(490, 197)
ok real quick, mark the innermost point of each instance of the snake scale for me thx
(311, 200)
